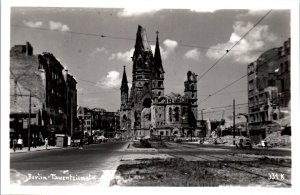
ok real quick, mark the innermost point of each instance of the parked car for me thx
(75, 143)
(178, 139)
(101, 138)
(244, 143)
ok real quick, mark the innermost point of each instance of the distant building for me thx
(269, 90)
(146, 110)
(84, 116)
(43, 78)
(98, 121)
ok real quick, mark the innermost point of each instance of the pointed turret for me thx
(157, 57)
(124, 84)
(124, 91)
(141, 40)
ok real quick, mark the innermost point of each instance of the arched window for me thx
(147, 103)
(170, 114)
(184, 111)
(275, 116)
(192, 87)
(176, 114)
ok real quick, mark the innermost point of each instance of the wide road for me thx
(95, 164)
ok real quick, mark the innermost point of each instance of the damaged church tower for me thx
(144, 111)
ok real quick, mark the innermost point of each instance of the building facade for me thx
(39, 85)
(269, 91)
(146, 110)
(98, 121)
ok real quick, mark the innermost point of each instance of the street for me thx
(45, 167)
(96, 164)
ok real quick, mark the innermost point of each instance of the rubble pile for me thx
(276, 139)
(228, 139)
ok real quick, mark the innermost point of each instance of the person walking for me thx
(46, 143)
(20, 143)
(15, 142)
(34, 143)
(81, 144)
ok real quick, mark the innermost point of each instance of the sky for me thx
(189, 40)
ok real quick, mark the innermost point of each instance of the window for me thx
(170, 114)
(286, 66)
(192, 87)
(176, 115)
(160, 83)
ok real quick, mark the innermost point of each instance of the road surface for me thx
(96, 164)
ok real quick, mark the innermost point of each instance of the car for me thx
(244, 143)
(101, 138)
(178, 139)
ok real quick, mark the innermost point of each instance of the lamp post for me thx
(233, 122)
(29, 121)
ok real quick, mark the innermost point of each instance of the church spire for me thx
(124, 84)
(157, 57)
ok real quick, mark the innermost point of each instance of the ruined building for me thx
(146, 110)
(39, 84)
(269, 90)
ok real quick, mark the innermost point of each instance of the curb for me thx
(140, 150)
(38, 150)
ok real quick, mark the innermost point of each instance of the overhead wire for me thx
(230, 49)
(210, 95)
(122, 38)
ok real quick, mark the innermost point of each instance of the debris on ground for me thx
(178, 172)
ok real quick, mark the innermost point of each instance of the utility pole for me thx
(202, 123)
(29, 120)
(233, 122)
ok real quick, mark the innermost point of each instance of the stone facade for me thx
(146, 110)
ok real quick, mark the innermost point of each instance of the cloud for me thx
(32, 24)
(167, 49)
(137, 11)
(98, 51)
(193, 54)
(112, 80)
(58, 26)
(122, 56)
(257, 39)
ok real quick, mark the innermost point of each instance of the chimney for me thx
(29, 49)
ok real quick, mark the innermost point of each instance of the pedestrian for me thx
(20, 143)
(34, 143)
(15, 142)
(46, 143)
(81, 144)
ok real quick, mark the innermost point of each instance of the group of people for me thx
(17, 143)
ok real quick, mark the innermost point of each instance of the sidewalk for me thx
(231, 145)
(38, 148)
